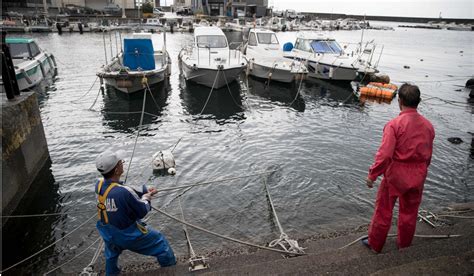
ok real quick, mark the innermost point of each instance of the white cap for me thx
(107, 160)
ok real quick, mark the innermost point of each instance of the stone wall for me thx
(24, 147)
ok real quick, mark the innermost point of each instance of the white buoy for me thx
(172, 171)
(164, 161)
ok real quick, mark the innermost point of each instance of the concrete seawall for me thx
(24, 148)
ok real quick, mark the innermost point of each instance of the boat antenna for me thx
(362, 36)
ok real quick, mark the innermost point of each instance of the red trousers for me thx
(409, 201)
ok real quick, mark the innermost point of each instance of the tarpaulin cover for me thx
(138, 53)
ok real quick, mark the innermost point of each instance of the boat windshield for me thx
(326, 46)
(19, 50)
(211, 41)
(267, 38)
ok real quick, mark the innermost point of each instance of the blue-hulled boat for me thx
(139, 64)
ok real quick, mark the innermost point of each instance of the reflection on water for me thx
(221, 104)
(277, 92)
(122, 112)
(23, 237)
(333, 93)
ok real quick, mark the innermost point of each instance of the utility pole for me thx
(123, 8)
(45, 5)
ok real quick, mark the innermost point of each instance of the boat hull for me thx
(277, 74)
(207, 76)
(330, 72)
(31, 74)
(132, 82)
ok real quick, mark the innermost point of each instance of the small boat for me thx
(209, 60)
(32, 64)
(325, 58)
(265, 58)
(138, 62)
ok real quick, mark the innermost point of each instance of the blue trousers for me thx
(137, 238)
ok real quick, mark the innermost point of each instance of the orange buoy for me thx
(373, 91)
(390, 86)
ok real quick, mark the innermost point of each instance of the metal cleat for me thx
(198, 263)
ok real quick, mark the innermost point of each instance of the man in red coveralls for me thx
(403, 158)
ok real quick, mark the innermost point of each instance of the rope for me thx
(68, 261)
(214, 181)
(138, 133)
(230, 92)
(210, 93)
(89, 269)
(97, 97)
(394, 235)
(45, 215)
(289, 245)
(85, 94)
(62, 238)
(222, 236)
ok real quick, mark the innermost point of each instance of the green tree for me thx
(147, 7)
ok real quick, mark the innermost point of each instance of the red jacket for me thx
(405, 152)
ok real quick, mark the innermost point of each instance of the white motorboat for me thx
(325, 59)
(209, 60)
(265, 58)
(236, 25)
(277, 24)
(139, 62)
(32, 65)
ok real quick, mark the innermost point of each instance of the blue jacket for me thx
(124, 205)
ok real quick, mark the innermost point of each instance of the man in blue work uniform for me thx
(120, 210)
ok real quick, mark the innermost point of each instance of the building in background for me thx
(232, 8)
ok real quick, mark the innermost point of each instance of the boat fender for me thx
(163, 161)
(26, 76)
(42, 68)
(331, 72)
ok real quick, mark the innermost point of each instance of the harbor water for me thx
(318, 140)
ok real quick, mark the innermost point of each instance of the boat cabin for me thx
(259, 36)
(318, 44)
(23, 48)
(210, 37)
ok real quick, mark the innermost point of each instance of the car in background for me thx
(184, 11)
(112, 9)
(158, 12)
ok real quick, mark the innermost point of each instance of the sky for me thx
(406, 8)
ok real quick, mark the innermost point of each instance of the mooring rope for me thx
(289, 245)
(77, 255)
(46, 214)
(138, 131)
(394, 235)
(214, 181)
(222, 236)
(40, 251)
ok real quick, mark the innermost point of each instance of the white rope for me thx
(214, 181)
(89, 269)
(136, 138)
(70, 260)
(394, 235)
(46, 214)
(287, 244)
(62, 238)
(222, 236)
